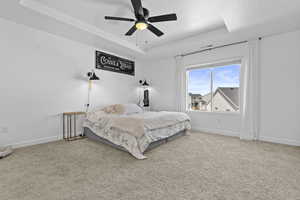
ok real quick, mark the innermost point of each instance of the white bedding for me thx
(156, 126)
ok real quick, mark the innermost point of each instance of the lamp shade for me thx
(92, 76)
(145, 84)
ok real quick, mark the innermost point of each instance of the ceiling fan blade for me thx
(138, 8)
(119, 19)
(131, 31)
(163, 18)
(155, 30)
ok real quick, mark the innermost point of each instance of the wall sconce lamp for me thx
(144, 84)
(92, 77)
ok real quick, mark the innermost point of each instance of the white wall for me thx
(280, 69)
(280, 82)
(161, 76)
(43, 75)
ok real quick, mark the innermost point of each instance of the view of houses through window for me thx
(214, 88)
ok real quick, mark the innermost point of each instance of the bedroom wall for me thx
(43, 75)
(280, 99)
(280, 82)
(161, 76)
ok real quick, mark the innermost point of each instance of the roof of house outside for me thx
(195, 95)
(231, 94)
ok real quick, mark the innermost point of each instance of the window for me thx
(214, 88)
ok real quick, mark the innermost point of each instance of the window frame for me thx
(214, 64)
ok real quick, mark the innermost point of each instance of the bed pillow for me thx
(95, 115)
(132, 109)
(114, 109)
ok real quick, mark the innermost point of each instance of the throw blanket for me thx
(131, 131)
(156, 120)
(136, 124)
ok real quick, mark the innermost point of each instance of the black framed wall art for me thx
(113, 63)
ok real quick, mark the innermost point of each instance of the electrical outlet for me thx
(3, 130)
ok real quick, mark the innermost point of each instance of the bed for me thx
(132, 130)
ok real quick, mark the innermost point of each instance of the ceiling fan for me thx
(143, 21)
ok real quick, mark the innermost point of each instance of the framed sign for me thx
(113, 63)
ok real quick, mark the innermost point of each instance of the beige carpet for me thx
(194, 167)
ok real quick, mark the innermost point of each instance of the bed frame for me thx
(91, 135)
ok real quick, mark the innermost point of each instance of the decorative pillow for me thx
(94, 116)
(114, 109)
(132, 108)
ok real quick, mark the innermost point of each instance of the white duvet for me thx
(130, 131)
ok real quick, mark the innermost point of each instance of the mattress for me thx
(91, 135)
(135, 132)
(135, 146)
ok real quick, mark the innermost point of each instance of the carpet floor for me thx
(194, 167)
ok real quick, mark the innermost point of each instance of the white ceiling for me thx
(202, 15)
(204, 21)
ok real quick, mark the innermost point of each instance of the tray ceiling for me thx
(200, 22)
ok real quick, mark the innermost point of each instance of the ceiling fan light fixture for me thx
(141, 25)
(142, 19)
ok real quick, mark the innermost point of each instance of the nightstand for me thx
(70, 126)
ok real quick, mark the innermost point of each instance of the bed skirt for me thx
(91, 135)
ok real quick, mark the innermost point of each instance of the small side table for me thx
(70, 126)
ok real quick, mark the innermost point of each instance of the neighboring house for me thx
(224, 100)
(197, 102)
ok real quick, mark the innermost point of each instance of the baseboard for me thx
(35, 142)
(217, 131)
(261, 138)
(279, 140)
